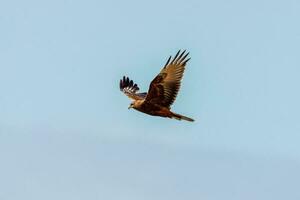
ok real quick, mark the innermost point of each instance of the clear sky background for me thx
(66, 132)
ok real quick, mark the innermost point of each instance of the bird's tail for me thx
(180, 117)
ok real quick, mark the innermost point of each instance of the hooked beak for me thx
(130, 106)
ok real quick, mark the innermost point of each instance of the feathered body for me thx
(162, 91)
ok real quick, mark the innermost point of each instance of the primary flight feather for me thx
(162, 91)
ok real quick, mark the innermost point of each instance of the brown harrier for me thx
(162, 91)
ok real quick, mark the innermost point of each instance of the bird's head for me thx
(136, 104)
(131, 105)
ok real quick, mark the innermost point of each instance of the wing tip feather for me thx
(128, 84)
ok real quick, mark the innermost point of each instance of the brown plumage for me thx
(162, 91)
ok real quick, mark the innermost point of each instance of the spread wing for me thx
(129, 88)
(165, 86)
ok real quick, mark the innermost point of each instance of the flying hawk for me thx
(162, 91)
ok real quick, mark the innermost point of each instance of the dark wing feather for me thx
(165, 86)
(129, 88)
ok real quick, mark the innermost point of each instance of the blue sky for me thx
(66, 132)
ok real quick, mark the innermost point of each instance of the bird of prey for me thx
(162, 91)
